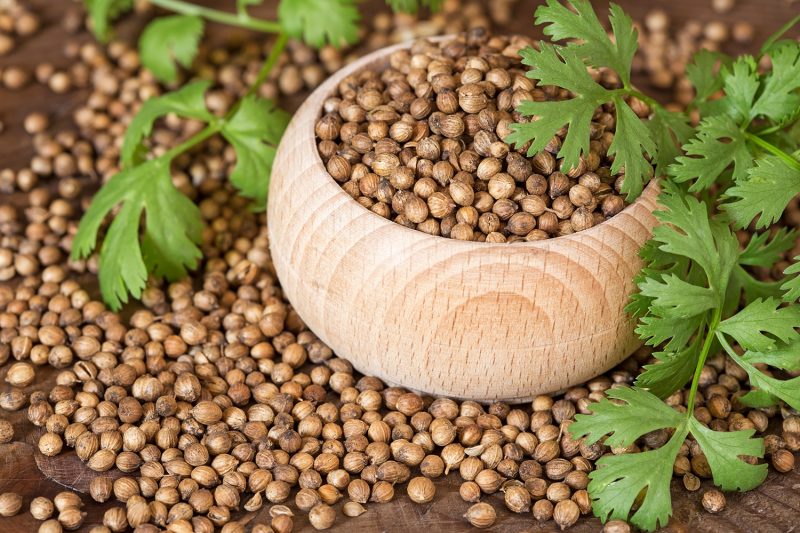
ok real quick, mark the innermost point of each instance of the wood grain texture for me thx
(464, 319)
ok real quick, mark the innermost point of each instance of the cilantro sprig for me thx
(636, 144)
(739, 167)
(141, 240)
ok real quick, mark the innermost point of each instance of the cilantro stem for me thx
(272, 59)
(778, 34)
(243, 20)
(633, 91)
(710, 335)
(774, 150)
(194, 140)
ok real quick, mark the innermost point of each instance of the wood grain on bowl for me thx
(464, 319)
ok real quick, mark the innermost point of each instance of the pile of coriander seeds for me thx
(421, 143)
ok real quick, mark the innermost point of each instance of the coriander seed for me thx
(481, 515)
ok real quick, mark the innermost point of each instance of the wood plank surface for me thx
(772, 508)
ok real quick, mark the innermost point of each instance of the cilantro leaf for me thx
(718, 143)
(742, 280)
(766, 386)
(101, 12)
(595, 45)
(722, 450)
(687, 231)
(676, 298)
(741, 84)
(412, 6)
(767, 191)
(672, 371)
(560, 66)
(779, 97)
(187, 102)
(783, 356)
(703, 74)
(752, 325)
(675, 331)
(630, 139)
(641, 413)
(764, 251)
(170, 40)
(254, 130)
(792, 283)
(670, 130)
(168, 244)
(554, 65)
(619, 479)
(320, 22)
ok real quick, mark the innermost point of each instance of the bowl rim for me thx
(313, 106)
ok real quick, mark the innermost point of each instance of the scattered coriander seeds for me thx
(322, 516)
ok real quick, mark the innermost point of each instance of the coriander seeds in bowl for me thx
(452, 316)
(421, 143)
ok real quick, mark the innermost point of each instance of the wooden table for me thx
(772, 508)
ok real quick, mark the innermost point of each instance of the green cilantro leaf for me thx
(687, 231)
(670, 130)
(641, 413)
(320, 22)
(779, 97)
(168, 243)
(553, 65)
(765, 250)
(672, 371)
(254, 130)
(792, 283)
(187, 102)
(630, 139)
(783, 356)
(170, 40)
(412, 6)
(676, 332)
(767, 191)
(102, 12)
(718, 143)
(742, 280)
(760, 324)
(595, 46)
(767, 386)
(723, 449)
(704, 74)
(676, 298)
(619, 479)
(741, 84)
(558, 66)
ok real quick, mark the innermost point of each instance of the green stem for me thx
(272, 59)
(712, 328)
(778, 34)
(194, 140)
(633, 91)
(243, 20)
(774, 150)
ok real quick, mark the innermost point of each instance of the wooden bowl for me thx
(463, 319)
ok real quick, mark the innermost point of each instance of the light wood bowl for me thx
(463, 319)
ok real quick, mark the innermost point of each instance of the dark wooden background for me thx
(772, 508)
